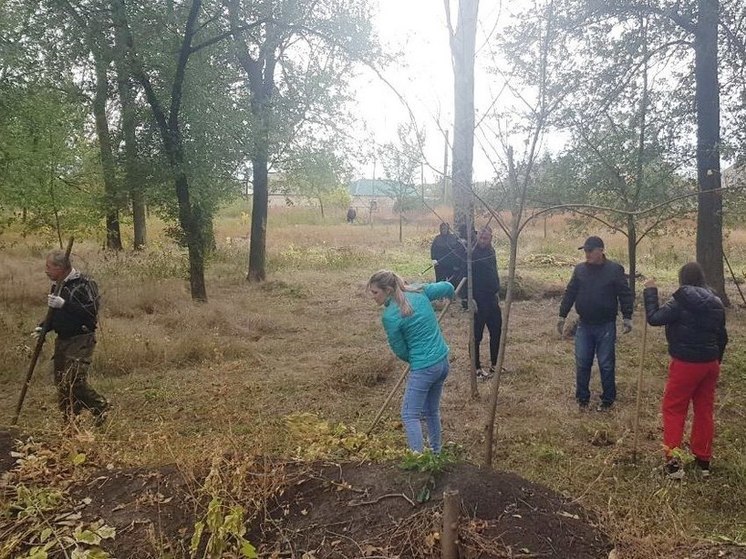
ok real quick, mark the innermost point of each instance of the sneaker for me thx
(674, 469)
(704, 467)
(604, 407)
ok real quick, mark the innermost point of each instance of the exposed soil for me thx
(353, 510)
(343, 510)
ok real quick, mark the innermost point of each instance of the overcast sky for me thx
(423, 75)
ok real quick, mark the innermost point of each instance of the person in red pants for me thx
(695, 330)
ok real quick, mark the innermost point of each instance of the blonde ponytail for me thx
(392, 284)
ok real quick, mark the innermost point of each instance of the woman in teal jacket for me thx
(414, 336)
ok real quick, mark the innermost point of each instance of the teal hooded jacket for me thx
(416, 338)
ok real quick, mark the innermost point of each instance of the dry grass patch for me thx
(224, 375)
(352, 370)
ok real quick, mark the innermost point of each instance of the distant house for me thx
(364, 192)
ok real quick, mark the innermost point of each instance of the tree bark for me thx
(129, 125)
(259, 212)
(707, 99)
(191, 217)
(463, 52)
(108, 168)
(260, 72)
(96, 42)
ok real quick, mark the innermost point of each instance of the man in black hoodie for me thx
(445, 253)
(597, 289)
(486, 296)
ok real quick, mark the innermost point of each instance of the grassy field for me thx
(189, 381)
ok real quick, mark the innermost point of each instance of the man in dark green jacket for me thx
(74, 320)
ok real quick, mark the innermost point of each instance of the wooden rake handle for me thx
(39, 342)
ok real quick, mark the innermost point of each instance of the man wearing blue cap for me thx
(597, 288)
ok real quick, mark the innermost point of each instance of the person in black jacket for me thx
(74, 319)
(695, 329)
(486, 296)
(597, 288)
(445, 253)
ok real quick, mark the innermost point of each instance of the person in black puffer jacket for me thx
(695, 329)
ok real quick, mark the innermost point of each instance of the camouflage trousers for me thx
(72, 358)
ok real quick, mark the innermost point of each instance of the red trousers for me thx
(690, 382)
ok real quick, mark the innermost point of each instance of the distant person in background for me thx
(695, 330)
(486, 296)
(414, 336)
(444, 252)
(74, 319)
(597, 288)
(351, 214)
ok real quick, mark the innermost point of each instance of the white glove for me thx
(36, 334)
(626, 325)
(55, 301)
(435, 262)
(561, 326)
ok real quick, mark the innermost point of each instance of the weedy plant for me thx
(38, 518)
(431, 463)
(225, 530)
(317, 439)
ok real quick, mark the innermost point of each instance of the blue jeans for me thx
(598, 340)
(422, 401)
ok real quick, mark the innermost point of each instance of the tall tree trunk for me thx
(95, 39)
(192, 224)
(191, 215)
(259, 207)
(108, 169)
(707, 98)
(463, 52)
(260, 72)
(129, 123)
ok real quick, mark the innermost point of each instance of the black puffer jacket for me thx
(695, 323)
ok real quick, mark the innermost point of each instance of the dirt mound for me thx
(352, 510)
(329, 511)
